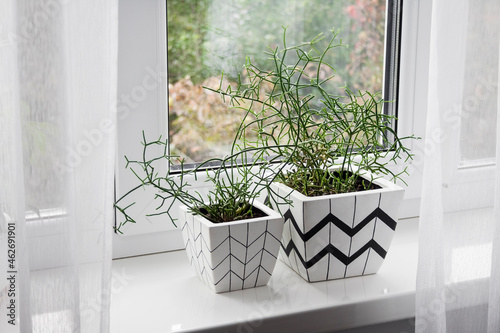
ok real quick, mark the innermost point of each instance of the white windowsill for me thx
(160, 293)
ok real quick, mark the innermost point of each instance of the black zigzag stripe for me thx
(330, 218)
(335, 252)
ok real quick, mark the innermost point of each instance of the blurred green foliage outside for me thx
(208, 37)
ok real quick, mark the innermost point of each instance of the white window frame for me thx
(142, 53)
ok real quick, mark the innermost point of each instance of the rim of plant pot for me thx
(269, 214)
(384, 186)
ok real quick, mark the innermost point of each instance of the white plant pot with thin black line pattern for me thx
(339, 235)
(233, 255)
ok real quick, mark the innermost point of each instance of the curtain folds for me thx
(459, 243)
(58, 82)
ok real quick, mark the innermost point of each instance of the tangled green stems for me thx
(312, 140)
(235, 183)
(325, 140)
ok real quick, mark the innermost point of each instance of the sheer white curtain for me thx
(57, 141)
(458, 274)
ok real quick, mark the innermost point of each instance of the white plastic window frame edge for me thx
(142, 106)
(413, 92)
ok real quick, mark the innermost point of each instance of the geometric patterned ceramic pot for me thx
(233, 255)
(339, 235)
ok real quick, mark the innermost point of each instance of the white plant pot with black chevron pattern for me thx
(339, 235)
(233, 255)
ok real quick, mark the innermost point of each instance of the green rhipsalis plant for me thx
(326, 139)
(235, 182)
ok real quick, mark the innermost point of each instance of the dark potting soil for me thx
(360, 184)
(256, 213)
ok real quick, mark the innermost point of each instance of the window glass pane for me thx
(208, 37)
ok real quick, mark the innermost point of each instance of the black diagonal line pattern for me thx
(330, 218)
(272, 255)
(330, 249)
(261, 255)
(201, 253)
(203, 266)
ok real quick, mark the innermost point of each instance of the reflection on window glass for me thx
(206, 38)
